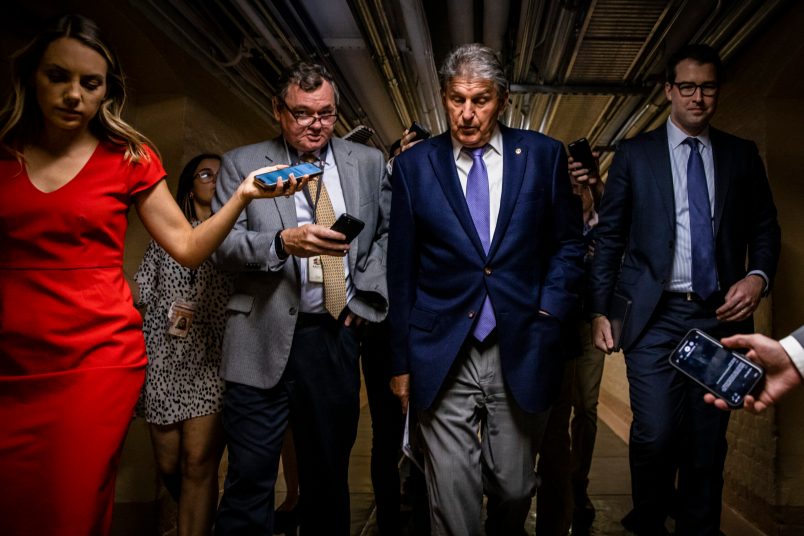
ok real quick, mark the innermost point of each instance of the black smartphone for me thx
(723, 372)
(298, 171)
(421, 132)
(348, 225)
(580, 151)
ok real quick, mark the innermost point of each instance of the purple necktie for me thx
(704, 272)
(477, 197)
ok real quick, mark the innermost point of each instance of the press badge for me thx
(180, 318)
(315, 270)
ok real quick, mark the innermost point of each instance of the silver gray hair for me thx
(474, 61)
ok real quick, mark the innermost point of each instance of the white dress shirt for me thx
(493, 159)
(312, 294)
(795, 351)
(681, 275)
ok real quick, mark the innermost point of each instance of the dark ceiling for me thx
(578, 68)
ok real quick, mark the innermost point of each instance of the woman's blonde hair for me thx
(21, 118)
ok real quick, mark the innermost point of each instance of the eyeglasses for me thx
(205, 175)
(688, 89)
(306, 120)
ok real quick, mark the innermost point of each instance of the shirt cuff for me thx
(764, 277)
(795, 351)
(274, 261)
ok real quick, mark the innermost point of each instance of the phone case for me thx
(707, 376)
(582, 152)
(298, 171)
(349, 226)
(421, 132)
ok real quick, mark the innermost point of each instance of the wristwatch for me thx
(279, 246)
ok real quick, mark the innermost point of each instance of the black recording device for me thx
(580, 151)
(723, 372)
(421, 132)
(349, 226)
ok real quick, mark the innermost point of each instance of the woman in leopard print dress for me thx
(183, 327)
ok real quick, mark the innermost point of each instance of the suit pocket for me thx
(424, 320)
(530, 197)
(241, 303)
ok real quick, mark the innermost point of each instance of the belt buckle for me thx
(689, 296)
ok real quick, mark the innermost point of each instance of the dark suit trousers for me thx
(387, 425)
(674, 431)
(319, 391)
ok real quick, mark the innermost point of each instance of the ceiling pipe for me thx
(562, 21)
(581, 89)
(392, 50)
(531, 13)
(421, 49)
(257, 24)
(461, 17)
(254, 93)
(365, 21)
(495, 22)
(579, 40)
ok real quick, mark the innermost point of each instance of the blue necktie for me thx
(477, 198)
(704, 270)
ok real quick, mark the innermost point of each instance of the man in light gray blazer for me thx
(290, 349)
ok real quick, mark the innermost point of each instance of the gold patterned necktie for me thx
(334, 275)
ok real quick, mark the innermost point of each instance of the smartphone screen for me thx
(725, 373)
(298, 171)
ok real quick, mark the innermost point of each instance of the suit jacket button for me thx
(487, 270)
(471, 314)
(292, 311)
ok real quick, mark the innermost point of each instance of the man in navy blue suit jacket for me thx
(645, 250)
(476, 302)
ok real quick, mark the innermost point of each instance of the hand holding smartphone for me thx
(580, 151)
(349, 226)
(422, 133)
(723, 372)
(270, 179)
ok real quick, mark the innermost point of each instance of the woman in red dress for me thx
(72, 356)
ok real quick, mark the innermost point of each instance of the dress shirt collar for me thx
(294, 156)
(676, 136)
(496, 143)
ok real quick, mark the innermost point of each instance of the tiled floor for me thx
(609, 483)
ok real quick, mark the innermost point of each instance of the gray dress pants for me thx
(478, 440)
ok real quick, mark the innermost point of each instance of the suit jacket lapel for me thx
(513, 172)
(286, 206)
(720, 156)
(659, 162)
(350, 186)
(443, 162)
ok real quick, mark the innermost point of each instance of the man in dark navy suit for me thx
(485, 253)
(685, 206)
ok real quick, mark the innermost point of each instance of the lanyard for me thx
(322, 159)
